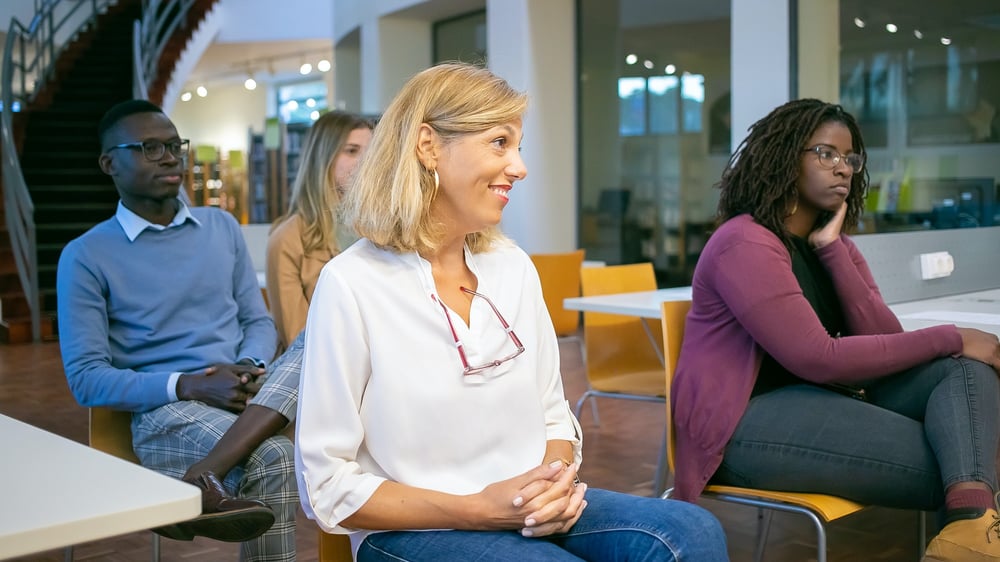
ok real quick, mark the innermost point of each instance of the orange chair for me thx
(620, 358)
(819, 508)
(560, 278)
(334, 548)
(111, 432)
(621, 353)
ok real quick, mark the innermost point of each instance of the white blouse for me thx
(383, 396)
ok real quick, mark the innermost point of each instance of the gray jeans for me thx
(920, 431)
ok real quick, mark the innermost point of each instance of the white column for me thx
(532, 45)
(347, 74)
(819, 50)
(393, 49)
(760, 61)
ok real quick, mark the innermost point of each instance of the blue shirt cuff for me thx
(256, 362)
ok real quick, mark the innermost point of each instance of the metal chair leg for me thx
(662, 469)
(921, 534)
(68, 553)
(763, 529)
(156, 547)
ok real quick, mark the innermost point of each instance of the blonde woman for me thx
(306, 238)
(431, 398)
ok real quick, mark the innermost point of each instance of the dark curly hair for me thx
(761, 176)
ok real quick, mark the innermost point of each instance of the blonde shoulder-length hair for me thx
(314, 199)
(389, 202)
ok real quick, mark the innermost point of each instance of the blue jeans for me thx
(614, 526)
(920, 431)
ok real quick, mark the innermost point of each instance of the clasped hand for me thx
(541, 502)
(226, 386)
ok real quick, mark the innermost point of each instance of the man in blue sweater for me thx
(160, 314)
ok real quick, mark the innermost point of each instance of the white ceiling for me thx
(266, 60)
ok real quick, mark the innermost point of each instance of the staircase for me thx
(59, 157)
(60, 150)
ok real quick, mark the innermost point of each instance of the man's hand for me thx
(224, 386)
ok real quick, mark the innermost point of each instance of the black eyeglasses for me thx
(466, 368)
(153, 150)
(829, 158)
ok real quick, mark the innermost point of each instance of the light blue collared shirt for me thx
(133, 225)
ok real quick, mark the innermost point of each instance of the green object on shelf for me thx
(206, 153)
(236, 160)
(272, 133)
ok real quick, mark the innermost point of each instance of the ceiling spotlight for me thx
(648, 64)
(918, 34)
(310, 102)
(306, 68)
(631, 59)
(250, 84)
(186, 96)
(201, 91)
(946, 41)
(314, 115)
(323, 65)
(670, 69)
(891, 28)
(293, 105)
(859, 22)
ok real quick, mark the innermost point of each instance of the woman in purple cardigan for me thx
(795, 375)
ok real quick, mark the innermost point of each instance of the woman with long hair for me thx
(432, 422)
(794, 375)
(306, 237)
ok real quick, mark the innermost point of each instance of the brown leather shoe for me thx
(223, 517)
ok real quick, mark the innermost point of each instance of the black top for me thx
(817, 287)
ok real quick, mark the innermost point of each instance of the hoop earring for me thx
(437, 183)
(795, 207)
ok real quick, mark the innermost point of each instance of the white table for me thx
(968, 310)
(57, 492)
(644, 304)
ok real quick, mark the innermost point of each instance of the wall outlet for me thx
(936, 264)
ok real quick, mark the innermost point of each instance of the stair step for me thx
(59, 233)
(79, 212)
(17, 330)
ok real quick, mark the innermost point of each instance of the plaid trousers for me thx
(171, 438)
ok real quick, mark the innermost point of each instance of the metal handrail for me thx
(28, 63)
(150, 35)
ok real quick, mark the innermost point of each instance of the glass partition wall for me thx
(654, 129)
(923, 77)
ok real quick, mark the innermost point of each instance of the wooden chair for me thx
(560, 277)
(334, 548)
(621, 353)
(111, 432)
(819, 508)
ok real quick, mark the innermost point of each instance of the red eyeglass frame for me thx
(466, 368)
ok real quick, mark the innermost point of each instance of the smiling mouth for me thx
(502, 192)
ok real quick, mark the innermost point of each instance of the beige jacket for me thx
(291, 278)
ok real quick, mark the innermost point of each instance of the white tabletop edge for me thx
(61, 492)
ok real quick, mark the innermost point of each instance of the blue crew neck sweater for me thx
(173, 300)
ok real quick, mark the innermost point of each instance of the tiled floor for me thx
(620, 454)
